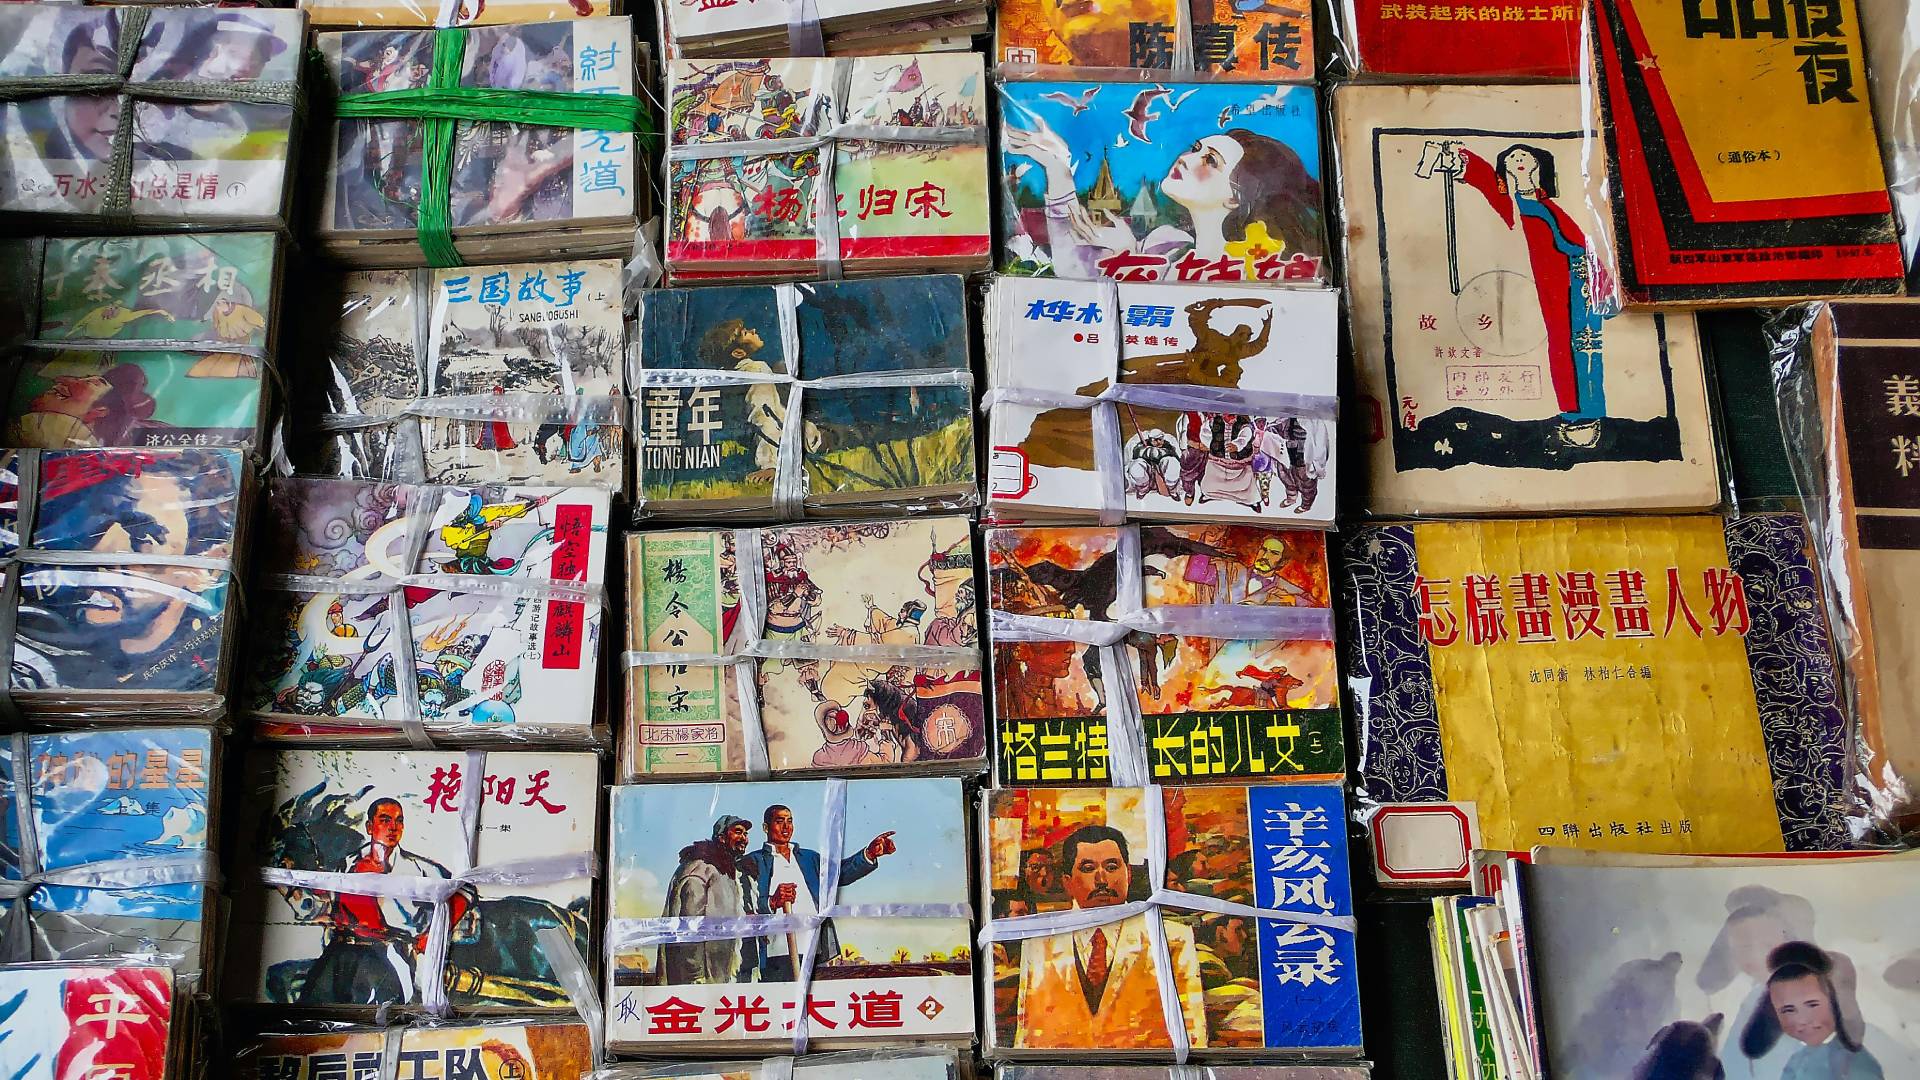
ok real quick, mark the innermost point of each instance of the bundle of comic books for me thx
(928, 1064)
(1583, 963)
(120, 1019)
(1166, 401)
(496, 374)
(1477, 41)
(1172, 181)
(887, 673)
(1652, 684)
(1491, 375)
(1253, 904)
(757, 28)
(207, 302)
(304, 944)
(1197, 707)
(195, 128)
(498, 1050)
(119, 856)
(99, 633)
(1733, 176)
(1158, 1072)
(1268, 41)
(786, 856)
(490, 594)
(348, 14)
(776, 166)
(714, 376)
(518, 190)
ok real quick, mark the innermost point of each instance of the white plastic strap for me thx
(570, 968)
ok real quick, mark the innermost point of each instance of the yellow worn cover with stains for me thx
(1603, 709)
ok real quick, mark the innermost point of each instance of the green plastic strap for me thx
(443, 102)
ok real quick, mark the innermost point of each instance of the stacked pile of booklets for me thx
(959, 539)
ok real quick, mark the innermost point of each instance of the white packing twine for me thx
(570, 968)
(1050, 923)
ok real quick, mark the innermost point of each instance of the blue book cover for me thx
(1309, 980)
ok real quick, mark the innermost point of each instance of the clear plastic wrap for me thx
(124, 1013)
(700, 29)
(1224, 182)
(119, 605)
(1184, 1072)
(145, 341)
(1091, 417)
(1109, 664)
(883, 383)
(507, 1049)
(1733, 177)
(1473, 42)
(855, 903)
(1892, 32)
(497, 374)
(1180, 39)
(843, 649)
(1649, 684)
(1222, 916)
(431, 615)
(928, 1064)
(145, 118)
(1850, 409)
(815, 167)
(105, 849)
(413, 880)
(513, 190)
(1489, 379)
(348, 14)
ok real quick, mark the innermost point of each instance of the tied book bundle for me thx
(114, 857)
(1109, 664)
(427, 615)
(817, 649)
(814, 167)
(747, 29)
(361, 14)
(508, 1049)
(124, 1012)
(494, 143)
(825, 902)
(1267, 41)
(1491, 378)
(1168, 924)
(137, 118)
(804, 400)
(1178, 402)
(119, 592)
(472, 375)
(927, 1064)
(142, 341)
(422, 881)
(1651, 684)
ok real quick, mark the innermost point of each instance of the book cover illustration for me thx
(717, 447)
(683, 595)
(1162, 1072)
(1764, 968)
(1742, 163)
(430, 13)
(102, 797)
(574, 440)
(1265, 452)
(526, 328)
(899, 204)
(398, 812)
(1694, 650)
(191, 161)
(1163, 182)
(65, 1021)
(502, 1051)
(506, 174)
(1491, 377)
(1267, 41)
(756, 849)
(1245, 978)
(128, 627)
(211, 288)
(373, 364)
(1480, 39)
(902, 583)
(1211, 709)
(896, 1064)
